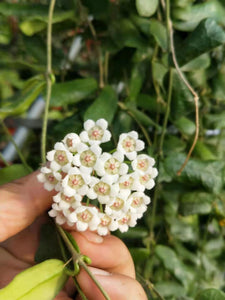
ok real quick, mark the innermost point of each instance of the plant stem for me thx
(165, 121)
(77, 258)
(83, 297)
(20, 154)
(3, 159)
(83, 265)
(48, 79)
(182, 77)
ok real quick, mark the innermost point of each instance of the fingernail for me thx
(96, 271)
(92, 237)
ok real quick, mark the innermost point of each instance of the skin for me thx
(23, 204)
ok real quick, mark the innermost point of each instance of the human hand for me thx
(22, 206)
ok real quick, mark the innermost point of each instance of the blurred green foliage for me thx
(121, 73)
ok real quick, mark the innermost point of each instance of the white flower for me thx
(129, 144)
(143, 163)
(66, 202)
(95, 132)
(137, 203)
(60, 158)
(126, 220)
(56, 213)
(85, 217)
(111, 165)
(106, 224)
(102, 189)
(116, 207)
(75, 183)
(146, 180)
(50, 179)
(126, 182)
(86, 157)
(71, 141)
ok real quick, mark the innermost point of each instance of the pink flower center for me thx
(112, 166)
(95, 133)
(51, 178)
(101, 189)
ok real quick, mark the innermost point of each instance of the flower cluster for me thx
(98, 190)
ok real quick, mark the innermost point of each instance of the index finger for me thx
(21, 201)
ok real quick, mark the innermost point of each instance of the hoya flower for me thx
(111, 165)
(129, 144)
(57, 213)
(126, 221)
(60, 158)
(117, 206)
(71, 141)
(102, 189)
(95, 132)
(106, 224)
(145, 181)
(66, 202)
(75, 182)
(85, 218)
(86, 157)
(50, 179)
(137, 203)
(143, 163)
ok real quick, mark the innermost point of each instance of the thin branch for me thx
(49, 80)
(4, 160)
(193, 92)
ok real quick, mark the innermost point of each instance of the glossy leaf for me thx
(71, 92)
(104, 106)
(211, 294)
(43, 281)
(196, 203)
(158, 30)
(204, 38)
(12, 172)
(146, 8)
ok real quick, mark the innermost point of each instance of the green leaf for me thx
(207, 36)
(196, 203)
(201, 62)
(139, 254)
(170, 288)
(42, 281)
(210, 294)
(146, 8)
(48, 245)
(203, 152)
(172, 263)
(125, 34)
(182, 100)
(184, 229)
(158, 30)
(206, 173)
(21, 103)
(190, 16)
(97, 8)
(71, 92)
(23, 9)
(104, 106)
(137, 78)
(12, 172)
(185, 126)
(158, 72)
(35, 24)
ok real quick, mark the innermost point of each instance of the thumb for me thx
(117, 286)
(21, 201)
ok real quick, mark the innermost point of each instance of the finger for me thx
(10, 267)
(62, 296)
(107, 252)
(21, 201)
(117, 286)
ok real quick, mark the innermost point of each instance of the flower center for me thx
(67, 199)
(124, 220)
(143, 164)
(61, 158)
(112, 166)
(145, 178)
(129, 144)
(69, 142)
(95, 133)
(127, 183)
(85, 216)
(51, 178)
(102, 188)
(105, 221)
(117, 205)
(75, 181)
(88, 158)
(137, 201)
